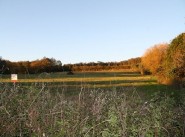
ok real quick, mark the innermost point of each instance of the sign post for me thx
(14, 79)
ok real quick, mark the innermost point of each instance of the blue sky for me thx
(76, 31)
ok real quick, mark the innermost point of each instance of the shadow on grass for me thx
(147, 89)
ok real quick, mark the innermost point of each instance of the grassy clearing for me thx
(101, 106)
(98, 79)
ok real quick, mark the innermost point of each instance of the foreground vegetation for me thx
(60, 109)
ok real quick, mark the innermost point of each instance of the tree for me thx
(153, 58)
(175, 59)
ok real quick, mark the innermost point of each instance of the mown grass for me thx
(59, 109)
(91, 79)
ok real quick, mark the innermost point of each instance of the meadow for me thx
(88, 79)
(107, 104)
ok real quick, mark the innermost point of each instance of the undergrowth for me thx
(33, 111)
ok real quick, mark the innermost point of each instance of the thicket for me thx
(34, 111)
(167, 61)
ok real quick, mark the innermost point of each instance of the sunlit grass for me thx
(89, 79)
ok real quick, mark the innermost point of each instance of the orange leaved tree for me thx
(153, 58)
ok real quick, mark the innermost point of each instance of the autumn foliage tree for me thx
(153, 58)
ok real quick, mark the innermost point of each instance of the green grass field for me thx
(86, 80)
(91, 79)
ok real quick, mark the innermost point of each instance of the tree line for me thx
(130, 64)
(30, 67)
(52, 65)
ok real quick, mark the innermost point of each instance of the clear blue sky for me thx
(76, 31)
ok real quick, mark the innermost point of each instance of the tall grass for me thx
(41, 111)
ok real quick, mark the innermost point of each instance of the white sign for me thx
(14, 77)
